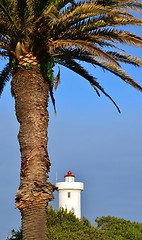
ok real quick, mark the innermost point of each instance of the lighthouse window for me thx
(69, 194)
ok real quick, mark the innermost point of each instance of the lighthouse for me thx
(70, 194)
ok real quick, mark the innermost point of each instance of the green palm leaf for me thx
(84, 45)
(5, 76)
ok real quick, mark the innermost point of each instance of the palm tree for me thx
(34, 37)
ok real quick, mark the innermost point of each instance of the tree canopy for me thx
(65, 226)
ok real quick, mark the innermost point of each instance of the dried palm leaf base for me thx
(28, 59)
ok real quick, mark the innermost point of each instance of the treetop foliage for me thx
(65, 226)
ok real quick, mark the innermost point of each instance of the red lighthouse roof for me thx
(69, 174)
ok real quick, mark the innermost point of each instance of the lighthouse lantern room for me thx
(70, 194)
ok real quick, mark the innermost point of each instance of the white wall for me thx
(70, 196)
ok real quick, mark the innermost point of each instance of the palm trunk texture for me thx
(30, 91)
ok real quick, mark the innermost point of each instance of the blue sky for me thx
(89, 137)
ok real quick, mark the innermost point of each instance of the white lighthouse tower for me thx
(70, 194)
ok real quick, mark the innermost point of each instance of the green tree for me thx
(15, 235)
(65, 226)
(36, 35)
(118, 228)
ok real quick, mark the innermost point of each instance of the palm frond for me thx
(99, 27)
(121, 74)
(92, 8)
(57, 79)
(126, 58)
(52, 97)
(77, 68)
(120, 20)
(38, 7)
(20, 9)
(51, 12)
(103, 37)
(85, 57)
(7, 32)
(5, 76)
(6, 7)
(130, 5)
(73, 16)
(74, 66)
(4, 54)
(113, 35)
(133, 5)
(84, 45)
(5, 46)
(129, 38)
(60, 4)
(111, 21)
(89, 22)
(89, 9)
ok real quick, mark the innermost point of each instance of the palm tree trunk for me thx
(30, 91)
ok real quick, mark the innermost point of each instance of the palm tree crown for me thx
(69, 33)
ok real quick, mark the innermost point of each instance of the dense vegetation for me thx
(65, 226)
